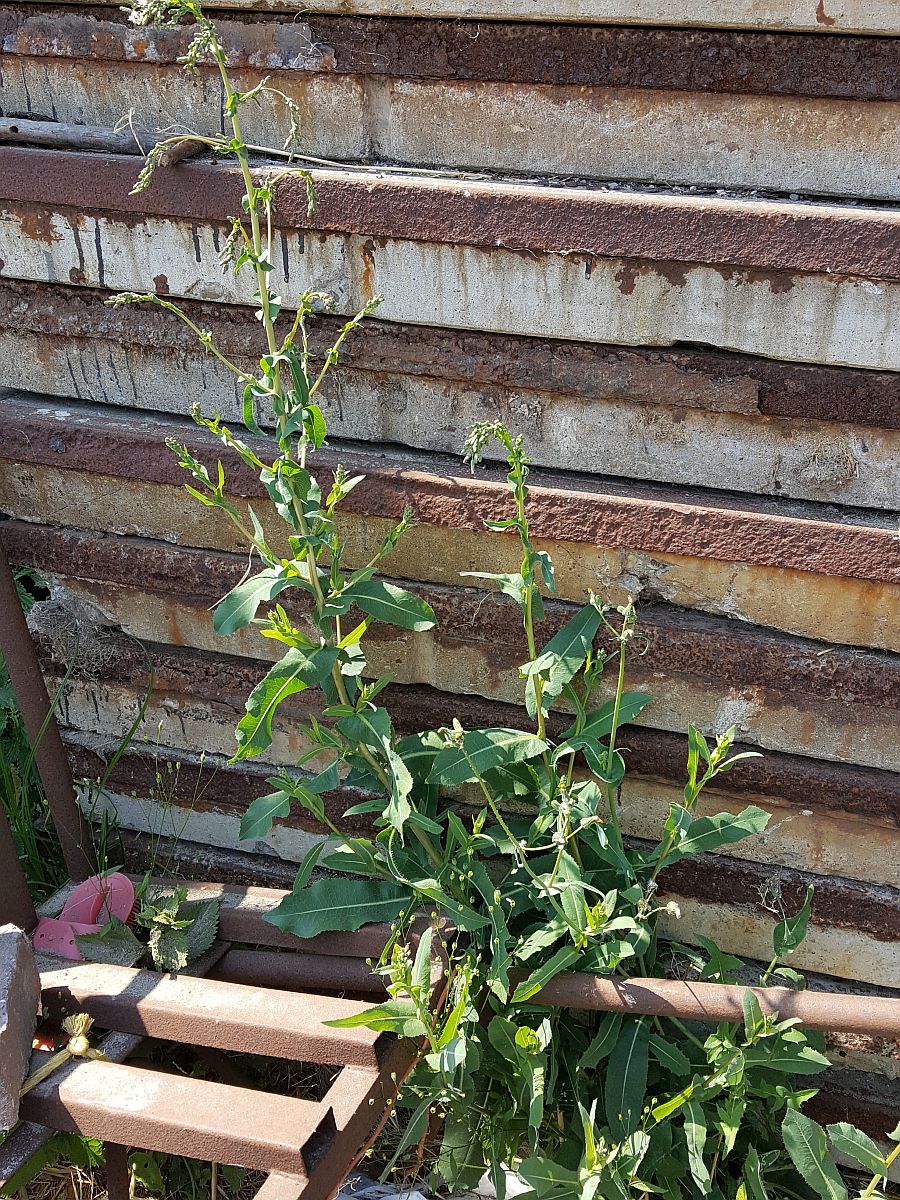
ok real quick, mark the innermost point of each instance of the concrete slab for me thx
(20, 993)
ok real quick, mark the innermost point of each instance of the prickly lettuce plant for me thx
(508, 839)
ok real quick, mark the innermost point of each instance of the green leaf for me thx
(706, 834)
(560, 961)
(487, 749)
(730, 1114)
(338, 904)
(395, 605)
(855, 1144)
(238, 608)
(753, 1015)
(602, 1042)
(805, 1142)
(298, 670)
(415, 1130)
(562, 657)
(114, 944)
(672, 1057)
(146, 1170)
(511, 585)
(789, 933)
(308, 865)
(201, 933)
(257, 821)
(168, 948)
(599, 720)
(398, 1015)
(460, 1159)
(695, 1136)
(753, 1176)
(626, 1078)
(543, 1174)
(788, 1059)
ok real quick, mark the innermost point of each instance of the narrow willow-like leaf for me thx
(257, 821)
(394, 1016)
(487, 749)
(626, 1078)
(395, 605)
(805, 1142)
(709, 833)
(789, 933)
(299, 669)
(670, 1055)
(238, 608)
(338, 904)
(849, 1140)
(599, 721)
(602, 1042)
(564, 655)
(695, 1136)
(753, 1176)
(560, 961)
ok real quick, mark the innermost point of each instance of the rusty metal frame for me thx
(43, 733)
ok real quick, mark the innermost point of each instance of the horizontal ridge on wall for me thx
(807, 311)
(783, 693)
(864, 16)
(689, 378)
(782, 429)
(761, 234)
(763, 63)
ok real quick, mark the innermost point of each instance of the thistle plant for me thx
(507, 840)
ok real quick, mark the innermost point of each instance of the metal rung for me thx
(207, 1012)
(176, 1114)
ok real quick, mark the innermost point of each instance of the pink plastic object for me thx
(96, 900)
(88, 908)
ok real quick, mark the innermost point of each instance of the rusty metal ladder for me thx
(306, 1148)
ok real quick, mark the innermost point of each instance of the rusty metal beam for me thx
(689, 1000)
(858, 68)
(206, 1012)
(564, 507)
(705, 379)
(714, 1002)
(19, 1146)
(336, 973)
(765, 236)
(40, 726)
(143, 1108)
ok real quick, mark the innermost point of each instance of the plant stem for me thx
(888, 1163)
(611, 791)
(272, 342)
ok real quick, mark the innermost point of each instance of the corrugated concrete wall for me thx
(661, 239)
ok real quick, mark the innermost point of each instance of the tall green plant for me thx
(509, 838)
